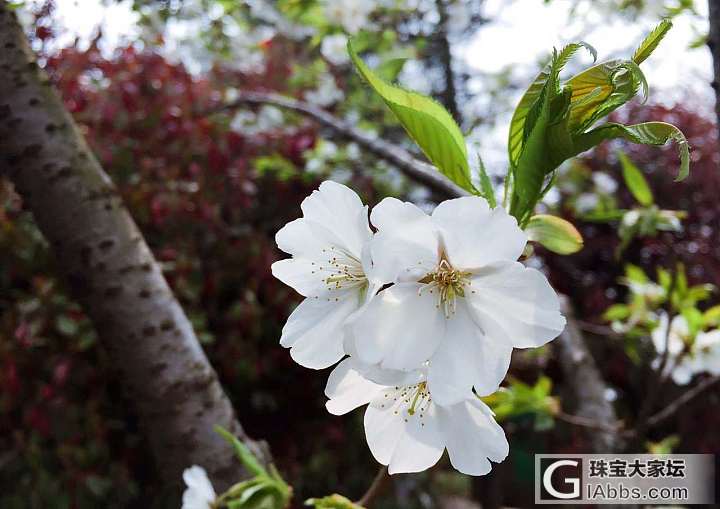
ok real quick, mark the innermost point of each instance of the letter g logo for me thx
(574, 482)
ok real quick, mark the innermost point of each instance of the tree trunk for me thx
(449, 93)
(714, 44)
(112, 272)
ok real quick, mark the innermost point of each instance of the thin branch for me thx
(404, 161)
(654, 389)
(375, 488)
(587, 422)
(681, 401)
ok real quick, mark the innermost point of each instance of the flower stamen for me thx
(448, 283)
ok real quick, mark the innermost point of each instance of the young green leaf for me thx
(332, 502)
(246, 457)
(647, 133)
(601, 89)
(518, 131)
(635, 181)
(651, 41)
(554, 233)
(427, 123)
(486, 187)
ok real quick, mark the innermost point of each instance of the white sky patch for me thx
(82, 18)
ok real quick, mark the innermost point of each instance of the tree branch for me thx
(582, 374)
(405, 162)
(671, 409)
(714, 45)
(449, 94)
(112, 272)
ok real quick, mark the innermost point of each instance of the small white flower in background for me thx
(199, 493)
(352, 15)
(268, 118)
(460, 299)
(334, 49)
(406, 429)
(327, 93)
(604, 182)
(699, 355)
(705, 357)
(330, 267)
(676, 338)
(586, 202)
(647, 289)
(630, 218)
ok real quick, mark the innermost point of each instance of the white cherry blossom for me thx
(334, 49)
(352, 15)
(330, 267)
(705, 356)
(460, 299)
(687, 355)
(406, 429)
(199, 493)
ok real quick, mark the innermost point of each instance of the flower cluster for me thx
(688, 353)
(427, 307)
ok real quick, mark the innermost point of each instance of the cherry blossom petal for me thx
(302, 275)
(466, 358)
(200, 492)
(341, 212)
(400, 328)
(475, 236)
(516, 304)
(314, 331)
(405, 247)
(348, 389)
(472, 437)
(406, 443)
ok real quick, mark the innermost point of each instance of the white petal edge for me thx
(314, 331)
(473, 437)
(347, 389)
(475, 235)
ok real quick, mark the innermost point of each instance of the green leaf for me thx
(711, 317)
(635, 274)
(617, 312)
(243, 453)
(486, 188)
(647, 133)
(554, 233)
(332, 502)
(601, 89)
(427, 123)
(651, 41)
(635, 181)
(518, 131)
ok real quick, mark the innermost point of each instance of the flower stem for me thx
(375, 488)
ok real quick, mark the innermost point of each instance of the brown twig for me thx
(586, 422)
(681, 401)
(404, 161)
(600, 330)
(654, 388)
(375, 487)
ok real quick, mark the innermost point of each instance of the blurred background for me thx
(157, 88)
